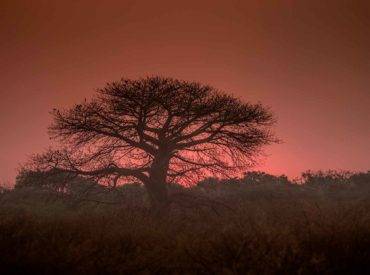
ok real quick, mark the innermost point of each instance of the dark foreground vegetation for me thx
(260, 224)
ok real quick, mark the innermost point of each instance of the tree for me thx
(54, 180)
(158, 130)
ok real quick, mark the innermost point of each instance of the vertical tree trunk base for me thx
(159, 200)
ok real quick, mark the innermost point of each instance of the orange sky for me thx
(308, 60)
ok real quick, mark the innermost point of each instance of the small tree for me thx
(158, 130)
(53, 180)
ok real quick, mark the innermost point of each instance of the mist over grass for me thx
(260, 224)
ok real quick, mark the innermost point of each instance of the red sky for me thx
(308, 60)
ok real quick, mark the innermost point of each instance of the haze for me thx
(308, 60)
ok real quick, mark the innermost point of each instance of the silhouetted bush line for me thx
(259, 224)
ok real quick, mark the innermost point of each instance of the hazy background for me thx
(308, 60)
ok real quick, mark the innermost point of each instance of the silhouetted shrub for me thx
(329, 177)
(54, 180)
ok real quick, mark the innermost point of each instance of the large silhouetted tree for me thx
(158, 130)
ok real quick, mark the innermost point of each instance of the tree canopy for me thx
(158, 130)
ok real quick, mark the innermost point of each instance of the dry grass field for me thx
(257, 225)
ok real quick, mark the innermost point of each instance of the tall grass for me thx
(217, 227)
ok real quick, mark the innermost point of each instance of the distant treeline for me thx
(65, 182)
(68, 188)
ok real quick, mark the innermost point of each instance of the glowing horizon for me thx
(308, 61)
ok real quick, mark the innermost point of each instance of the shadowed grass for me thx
(212, 229)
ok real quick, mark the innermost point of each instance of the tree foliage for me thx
(156, 131)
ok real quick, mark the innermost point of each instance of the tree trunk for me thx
(156, 186)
